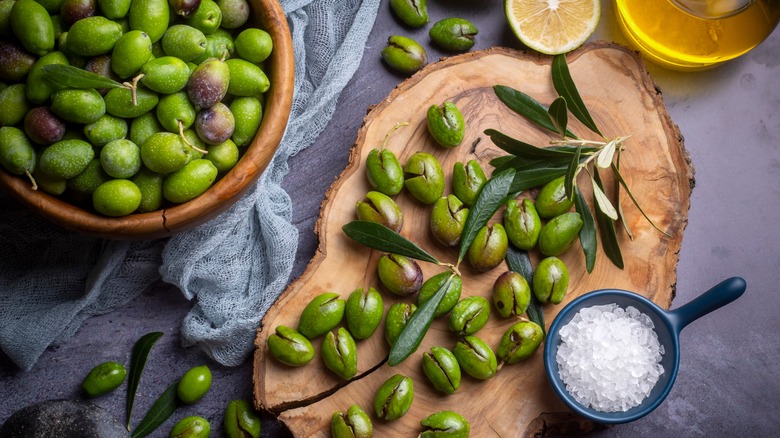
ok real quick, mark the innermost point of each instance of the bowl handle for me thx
(715, 298)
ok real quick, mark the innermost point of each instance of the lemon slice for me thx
(552, 26)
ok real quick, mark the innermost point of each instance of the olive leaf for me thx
(162, 408)
(604, 159)
(527, 107)
(501, 161)
(588, 230)
(74, 77)
(620, 204)
(492, 195)
(522, 149)
(559, 115)
(609, 240)
(519, 262)
(571, 174)
(530, 178)
(137, 363)
(636, 203)
(602, 201)
(380, 237)
(414, 331)
(564, 85)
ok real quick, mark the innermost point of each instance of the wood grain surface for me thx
(518, 401)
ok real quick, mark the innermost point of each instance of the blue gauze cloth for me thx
(233, 268)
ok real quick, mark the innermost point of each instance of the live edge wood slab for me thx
(518, 401)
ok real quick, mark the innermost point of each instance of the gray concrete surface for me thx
(728, 381)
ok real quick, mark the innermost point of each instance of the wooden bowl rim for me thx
(219, 197)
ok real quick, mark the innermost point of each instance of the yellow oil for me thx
(668, 36)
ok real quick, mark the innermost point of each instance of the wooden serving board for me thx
(518, 401)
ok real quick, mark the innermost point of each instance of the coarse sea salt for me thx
(609, 357)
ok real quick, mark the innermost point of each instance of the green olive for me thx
(404, 55)
(323, 313)
(551, 280)
(380, 208)
(557, 235)
(104, 378)
(551, 200)
(446, 124)
(394, 398)
(451, 296)
(454, 34)
(290, 347)
(424, 177)
(488, 248)
(354, 424)
(442, 370)
(476, 358)
(519, 342)
(447, 220)
(363, 312)
(413, 13)
(467, 181)
(469, 315)
(191, 427)
(384, 172)
(240, 420)
(522, 223)
(194, 384)
(401, 275)
(511, 294)
(445, 424)
(339, 353)
(397, 317)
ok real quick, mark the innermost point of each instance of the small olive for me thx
(104, 378)
(454, 34)
(401, 275)
(451, 296)
(394, 398)
(413, 13)
(380, 208)
(467, 181)
(404, 55)
(552, 200)
(290, 347)
(384, 172)
(511, 294)
(519, 342)
(424, 177)
(194, 384)
(191, 427)
(522, 223)
(354, 424)
(363, 312)
(446, 124)
(397, 316)
(488, 248)
(469, 315)
(240, 420)
(442, 370)
(447, 220)
(445, 424)
(557, 235)
(339, 353)
(551, 280)
(476, 358)
(321, 315)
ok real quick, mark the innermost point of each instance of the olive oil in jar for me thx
(683, 40)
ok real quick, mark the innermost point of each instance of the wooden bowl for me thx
(266, 14)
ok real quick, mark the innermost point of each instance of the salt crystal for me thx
(609, 357)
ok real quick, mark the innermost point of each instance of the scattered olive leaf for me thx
(137, 364)
(564, 85)
(519, 261)
(74, 77)
(162, 408)
(559, 115)
(380, 237)
(527, 107)
(414, 331)
(588, 231)
(492, 195)
(609, 240)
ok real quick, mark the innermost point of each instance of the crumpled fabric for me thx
(232, 268)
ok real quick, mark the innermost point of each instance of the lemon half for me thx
(552, 26)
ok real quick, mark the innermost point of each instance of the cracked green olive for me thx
(381, 209)
(339, 353)
(432, 285)
(413, 13)
(446, 124)
(557, 235)
(384, 172)
(401, 275)
(363, 312)
(476, 358)
(394, 398)
(488, 248)
(511, 294)
(240, 420)
(519, 342)
(445, 424)
(522, 223)
(442, 370)
(551, 280)
(321, 315)
(397, 316)
(424, 177)
(551, 200)
(467, 181)
(447, 220)
(404, 55)
(469, 315)
(191, 427)
(354, 424)
(290, 347)
(454, 34)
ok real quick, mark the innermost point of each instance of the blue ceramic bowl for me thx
(668, 325)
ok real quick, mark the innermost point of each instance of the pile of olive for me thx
(188, 98)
